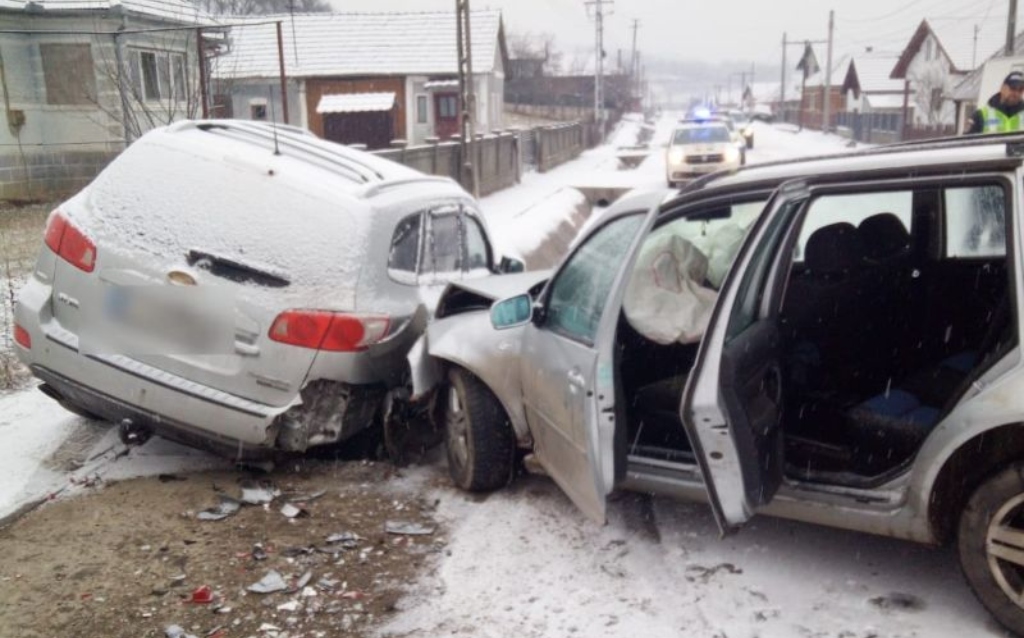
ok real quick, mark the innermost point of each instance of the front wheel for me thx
(479, 437)
(991, 546)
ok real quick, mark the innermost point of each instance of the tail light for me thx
(69, 243)
(22, 337)
(331, 331)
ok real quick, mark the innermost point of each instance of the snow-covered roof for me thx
(338, 44)
(882, 101)
(968, 88)
(763, 91)
(838, 68)
(873, 72)
(181, 11)
(356, 102)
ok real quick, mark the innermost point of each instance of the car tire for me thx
(480, 442)
(992, 515)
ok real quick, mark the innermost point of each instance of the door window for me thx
(852, 208)
(579, 292)
(478, 252)
(405, 248)
(975, 222)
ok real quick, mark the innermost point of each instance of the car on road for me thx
(834, 340)
(698, 148)
(244, 288)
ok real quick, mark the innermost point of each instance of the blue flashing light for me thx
(701, 113)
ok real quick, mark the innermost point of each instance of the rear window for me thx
(703, 134)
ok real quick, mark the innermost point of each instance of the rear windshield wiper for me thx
(235, 270)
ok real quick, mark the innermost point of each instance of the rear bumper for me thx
(117, 387)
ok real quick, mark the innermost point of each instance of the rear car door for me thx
(732, 406)
(568, 365)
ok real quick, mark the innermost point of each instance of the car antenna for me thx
(273, 121)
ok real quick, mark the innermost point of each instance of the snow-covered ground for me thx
(524, 562)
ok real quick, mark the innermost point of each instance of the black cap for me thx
(1014, 79)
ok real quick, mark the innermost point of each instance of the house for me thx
(965, 94)
(874, 101)
(941, 52)
(812, 103)
(367, 78)
(69, 106)
(761, 98)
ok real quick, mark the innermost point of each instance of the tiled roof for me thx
(179, 11)
(338, 44)
(873, 71)
(356, 102)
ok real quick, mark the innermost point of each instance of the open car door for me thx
(732, 406)
(567, 361)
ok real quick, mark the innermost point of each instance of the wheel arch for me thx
(973, 462)
(513, 410)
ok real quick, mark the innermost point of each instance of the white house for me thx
(364, 77)
(69, 106)
(938, 56)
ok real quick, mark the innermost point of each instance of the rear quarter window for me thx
(975, 221)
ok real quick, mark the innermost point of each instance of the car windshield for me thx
(701, 135)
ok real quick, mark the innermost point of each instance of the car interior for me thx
(893, 304)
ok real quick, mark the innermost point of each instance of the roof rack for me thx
(312, 147)
(941, 143)
(376, 189)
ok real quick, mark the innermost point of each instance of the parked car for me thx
(698, 148)
(244, 288)
(834, 340)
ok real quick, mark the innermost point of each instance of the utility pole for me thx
(782, 86)
(1011, 27)
(598, 6)
(634, 67)
(826, 121)
(467, 96)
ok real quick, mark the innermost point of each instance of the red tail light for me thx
(22, 337)
(331, 331)
(69, 243)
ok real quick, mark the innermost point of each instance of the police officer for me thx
(1003, 111)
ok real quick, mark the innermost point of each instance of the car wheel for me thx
(479, 438)
(991, 546)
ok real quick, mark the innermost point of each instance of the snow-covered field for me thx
(524, 562)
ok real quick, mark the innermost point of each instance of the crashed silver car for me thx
(834, 340)
(244, 288)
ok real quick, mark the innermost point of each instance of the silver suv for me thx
(834, 340)
(244, 288)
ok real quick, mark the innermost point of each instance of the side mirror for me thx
(511, 312)
(511, 265)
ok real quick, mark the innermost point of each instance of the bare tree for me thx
(250, 7)
(536, 46)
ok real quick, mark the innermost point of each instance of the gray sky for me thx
(721, 30)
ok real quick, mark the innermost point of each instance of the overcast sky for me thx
(720, 30)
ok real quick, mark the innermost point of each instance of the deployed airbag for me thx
(666, 300)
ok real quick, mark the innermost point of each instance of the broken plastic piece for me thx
(291, 605)
(269, 584)
(407, 528)
(174, 631)
(258, 553)
(202, 595)
(292, 511)
(348, 540)
(227, 507)
(258, 495)
(304, 579)
(305, 498)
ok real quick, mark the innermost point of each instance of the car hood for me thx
(477, 294)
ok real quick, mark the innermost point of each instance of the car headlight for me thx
(732, 154)
(676, 156)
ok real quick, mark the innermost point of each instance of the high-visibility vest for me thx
(995, 121)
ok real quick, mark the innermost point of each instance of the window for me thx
(701, 135)
(478, 252)
(69, 73)
(443, 252)
(421, 109)
(157, 75)
(447, 106)
(405, 245)
(258, 110)
(975, 221)
(852, 209)
(578, 294)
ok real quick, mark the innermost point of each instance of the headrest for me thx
(883, 236)
(833, 249)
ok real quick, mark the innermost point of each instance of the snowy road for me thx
(524, 562)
